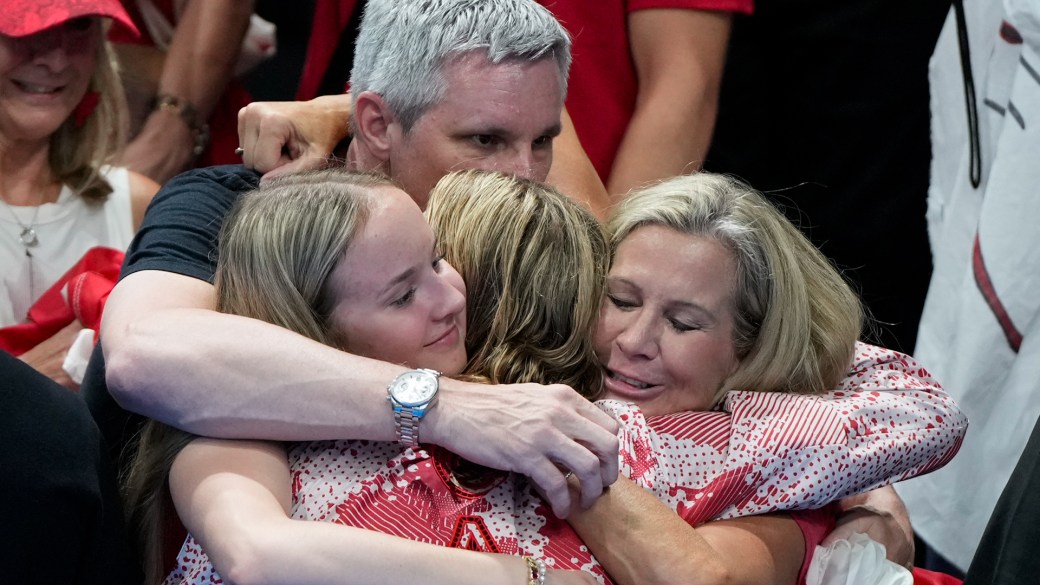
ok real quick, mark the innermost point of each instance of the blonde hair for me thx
(534, 263)
(796, 318)
(278, 247)
(77, 152)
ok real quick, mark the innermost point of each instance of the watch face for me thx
(414, 388)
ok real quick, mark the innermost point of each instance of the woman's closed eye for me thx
(681, 326)
(620, 302)
(404, 299)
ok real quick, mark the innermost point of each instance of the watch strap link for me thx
(407, 424)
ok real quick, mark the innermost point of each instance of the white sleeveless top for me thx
(65, 230)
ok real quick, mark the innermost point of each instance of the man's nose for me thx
(521, 163)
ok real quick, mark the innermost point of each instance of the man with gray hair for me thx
(441, 85)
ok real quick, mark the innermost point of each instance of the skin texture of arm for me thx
(572, 172)
(170, 356)
(234, 497)
(197, 68)
(679, 56)
(765, 550)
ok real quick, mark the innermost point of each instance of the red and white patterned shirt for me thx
(888, 420)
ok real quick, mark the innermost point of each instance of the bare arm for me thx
(234, 497)
(679, 56)
(640, 540)
(170, 356)
(197, 68)
(572, 172)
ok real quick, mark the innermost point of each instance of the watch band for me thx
(407, 425)
(406, 418)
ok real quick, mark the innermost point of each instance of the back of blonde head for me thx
(797, 319)
(534, 263)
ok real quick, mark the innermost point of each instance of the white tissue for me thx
(856, 561)
(75, 364)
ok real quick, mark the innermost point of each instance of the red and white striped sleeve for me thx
(887, 421)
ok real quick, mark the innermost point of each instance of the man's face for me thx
(495, 117)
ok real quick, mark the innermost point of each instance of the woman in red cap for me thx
(62, 118)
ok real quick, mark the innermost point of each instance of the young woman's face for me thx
(665, 333)
(396, 300)
(44, 76)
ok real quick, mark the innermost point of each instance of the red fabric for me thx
(603, 83)
(926, 577)
(330, 19)
(815, 525)
(80, 294)
(21, 18)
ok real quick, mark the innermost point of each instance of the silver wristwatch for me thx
(411, 395)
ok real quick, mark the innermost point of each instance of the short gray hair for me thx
(403, 45)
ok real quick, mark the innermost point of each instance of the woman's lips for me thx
(628, 387)
(449, 338)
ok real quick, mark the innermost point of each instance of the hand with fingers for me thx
(281, 137)
(543, 432)
(49, 355)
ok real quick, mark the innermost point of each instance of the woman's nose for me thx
(638, 337)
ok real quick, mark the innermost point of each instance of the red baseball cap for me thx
(20, 18)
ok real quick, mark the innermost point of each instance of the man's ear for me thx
(373, 119)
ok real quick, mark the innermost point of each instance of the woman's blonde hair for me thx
(77, 152)
(278, 247)
(534, 263)
(796, 318)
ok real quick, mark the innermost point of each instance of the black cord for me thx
(975, 164)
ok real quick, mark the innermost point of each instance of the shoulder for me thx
(207, 192)
(225, 182)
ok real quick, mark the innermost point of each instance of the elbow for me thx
(130, 359)
(247, 561)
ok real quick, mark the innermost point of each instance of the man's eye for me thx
(542, 142)
(483, 140)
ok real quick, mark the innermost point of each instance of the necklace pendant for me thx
(28, 237)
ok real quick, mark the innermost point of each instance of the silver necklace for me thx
(29, 240)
